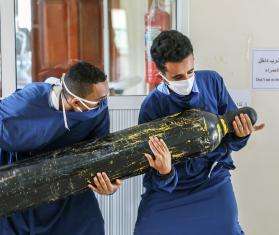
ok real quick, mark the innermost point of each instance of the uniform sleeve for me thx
(20, 131)
(12, 138)
(153, 180)
(226, 104)
(163, 182)
(149, 111)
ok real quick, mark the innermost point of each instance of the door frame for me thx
(8, 57)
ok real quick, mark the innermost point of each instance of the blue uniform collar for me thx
(163, 88)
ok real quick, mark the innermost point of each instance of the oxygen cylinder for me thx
(54, 175)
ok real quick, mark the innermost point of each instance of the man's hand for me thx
(162, 157)
(243, 126)
(103, 185)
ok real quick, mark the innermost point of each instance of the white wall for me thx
(223, 33)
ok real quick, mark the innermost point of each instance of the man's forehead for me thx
(180, 67)
(101, 89)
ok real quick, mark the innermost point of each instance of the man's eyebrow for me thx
(190, 71)
(103, 97)
(177, 76)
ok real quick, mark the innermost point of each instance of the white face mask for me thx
(183, 87)
(81, 100)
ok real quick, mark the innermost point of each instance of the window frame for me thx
(8, 33)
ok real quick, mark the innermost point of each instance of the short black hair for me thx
(80, 76)
(170, 46)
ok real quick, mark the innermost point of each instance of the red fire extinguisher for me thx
(156, 21)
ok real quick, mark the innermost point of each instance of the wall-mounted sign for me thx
(265, 69)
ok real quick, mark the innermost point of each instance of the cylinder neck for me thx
(224, 126)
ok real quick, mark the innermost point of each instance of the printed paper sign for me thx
(265, 69)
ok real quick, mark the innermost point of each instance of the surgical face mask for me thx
(183, 87)
(81, 100)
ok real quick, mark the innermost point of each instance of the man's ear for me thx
(73, 101)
